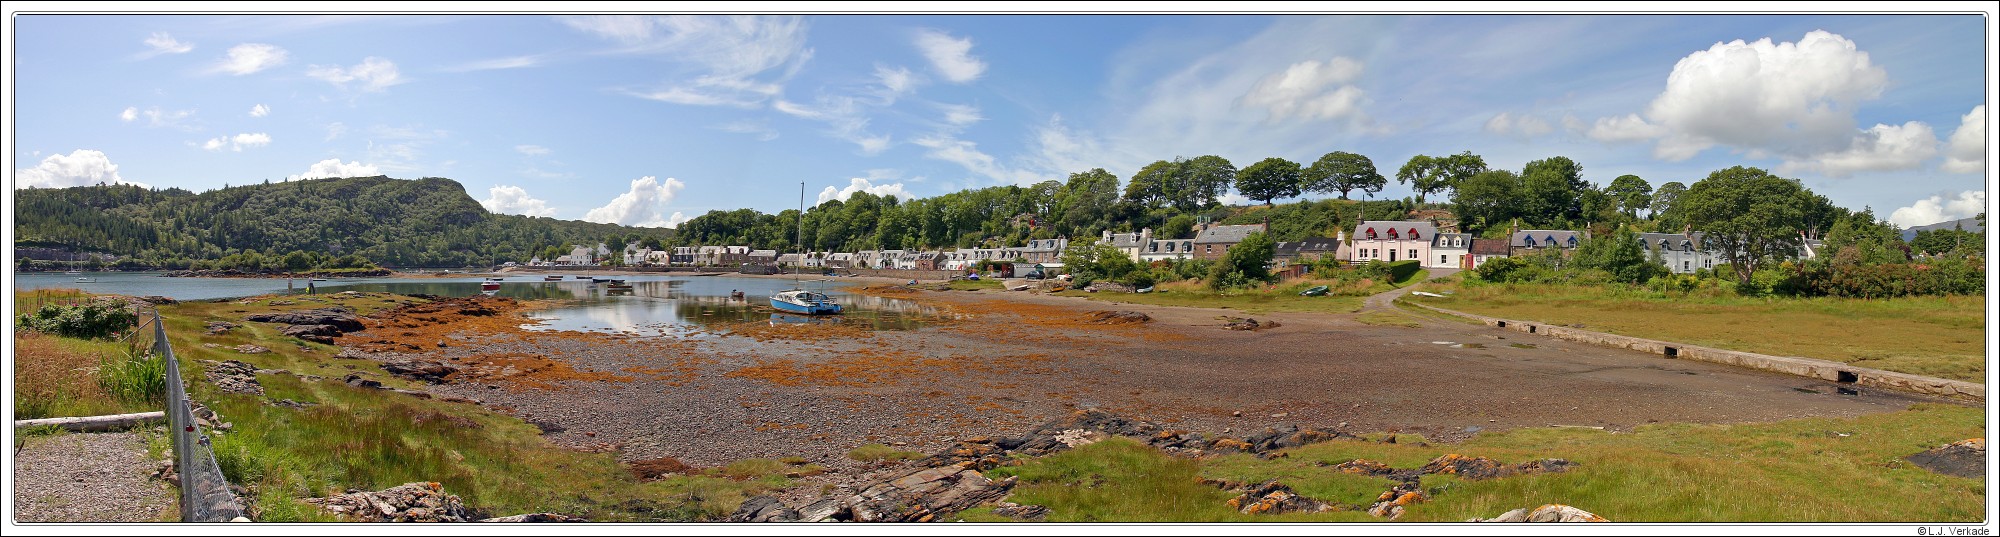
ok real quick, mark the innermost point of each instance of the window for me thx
(1443, 259)
(1413, 253)
(1208, 248)
(1708, 263)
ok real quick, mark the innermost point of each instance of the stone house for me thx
(1212, 241)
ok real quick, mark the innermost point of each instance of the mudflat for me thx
(1001, 362)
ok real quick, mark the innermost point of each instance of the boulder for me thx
(1964, 458)
(232, 376)
(1392, 502)
(1484, 468)
(1117, 317)
(409, 502)
(925, 495)
(424, 370)
(341, 319)
(1273, 498)
(1554, 512)
(1016, 511)
(251, 349)
(217, 328)
(358, 381)
(317, 333)
(764, 509)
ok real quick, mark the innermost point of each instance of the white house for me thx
(1392, 241)
(1449, 251)
(1682, 254)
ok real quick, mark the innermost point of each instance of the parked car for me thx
(1033, 275)
(1317, 290)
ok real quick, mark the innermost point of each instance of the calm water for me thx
(656, 303)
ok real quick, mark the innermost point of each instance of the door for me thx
(1392, 255)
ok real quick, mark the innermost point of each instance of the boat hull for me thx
(827, 308)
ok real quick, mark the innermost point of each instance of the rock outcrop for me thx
(925, 495)
(232, 376)
(409, 502)
(1964, 458)
(1554, 512)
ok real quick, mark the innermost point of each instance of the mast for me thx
(800, 241)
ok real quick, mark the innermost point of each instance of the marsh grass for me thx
(1807, 470)
(1936, 336)
(879, 452)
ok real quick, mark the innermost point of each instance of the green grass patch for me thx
(1807, 470)
(371, 440)
(879, 452)
(1936, 336)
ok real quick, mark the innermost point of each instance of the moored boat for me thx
(803, 301)
(552, 278)
(491, 284)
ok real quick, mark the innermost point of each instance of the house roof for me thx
(1489, 247)
(1227, 234)
(1401, 229)
(1651, 241)
(1126, 240)
(1542, 236)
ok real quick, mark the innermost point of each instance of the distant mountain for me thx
(392, 222)
(1969, 224)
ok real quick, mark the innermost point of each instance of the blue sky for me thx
(646, 120)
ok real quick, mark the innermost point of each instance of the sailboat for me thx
(797, 299)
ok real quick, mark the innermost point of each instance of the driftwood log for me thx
(91, 424)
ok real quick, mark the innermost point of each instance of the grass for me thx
(66, 377)
(1807, 470)
(1936, 336)
(371, 440)
(879, 452)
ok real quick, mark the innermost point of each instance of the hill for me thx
(1969, 224)
(391, 222)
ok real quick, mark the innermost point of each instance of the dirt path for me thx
(89, 477)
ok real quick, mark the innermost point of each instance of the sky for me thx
(648, 120)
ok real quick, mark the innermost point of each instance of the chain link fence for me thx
(205, 494)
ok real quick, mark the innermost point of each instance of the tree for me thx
(1149, 186)
(1427, 174)
(1343, 172)
(1619, 254)
(1487, 199)
(1663, 204)
(1750, 215)
(1090, 261)
(1870, 241)
(1552, 189)
(1198, 182)
(1632, 193)
(1269, 179)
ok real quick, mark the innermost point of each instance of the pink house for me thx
(1392, 241)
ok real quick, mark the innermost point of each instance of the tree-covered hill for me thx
(391, 222)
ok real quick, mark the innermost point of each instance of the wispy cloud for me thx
(161, 43)
(844, 118)
(760, 128)
(1310, 90)
(531, 150)
(515, 62)
(177, 119)
(260, 111)
(951, 56)
(371, 75)
(130, 113)
(739, 61)
(249, 58)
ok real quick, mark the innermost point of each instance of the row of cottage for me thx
(1388, 241)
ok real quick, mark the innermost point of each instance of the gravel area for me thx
(89, 477)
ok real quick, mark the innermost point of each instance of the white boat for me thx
(86, 280)
(799, 300)
(73, 273)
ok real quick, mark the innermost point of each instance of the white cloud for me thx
(967, 154)
(333, 168)
(951, 56)
(864, 184)
(1310, 90)
(516, 62)
(763, 131)
(373, 74)
(82, 167)
(895, 82)
(250, 58)
(1793, 100)
(733, 53)
(1881, 148)
(1966, 152)
(1524, 125)
(676, 220)
(238, 142)
(155, 117)
(959, 115)
(1936, 209)
(161, 43)
(640, 206)
(130, 113)
(526, 149)
(260, 111)
(515, 200)
(1060, 151)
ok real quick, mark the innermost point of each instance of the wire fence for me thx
(205, 494)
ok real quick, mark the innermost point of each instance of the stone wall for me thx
(1835, 372)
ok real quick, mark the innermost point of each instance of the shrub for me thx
(96, 319)
(140, 379)
(1500, 269)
